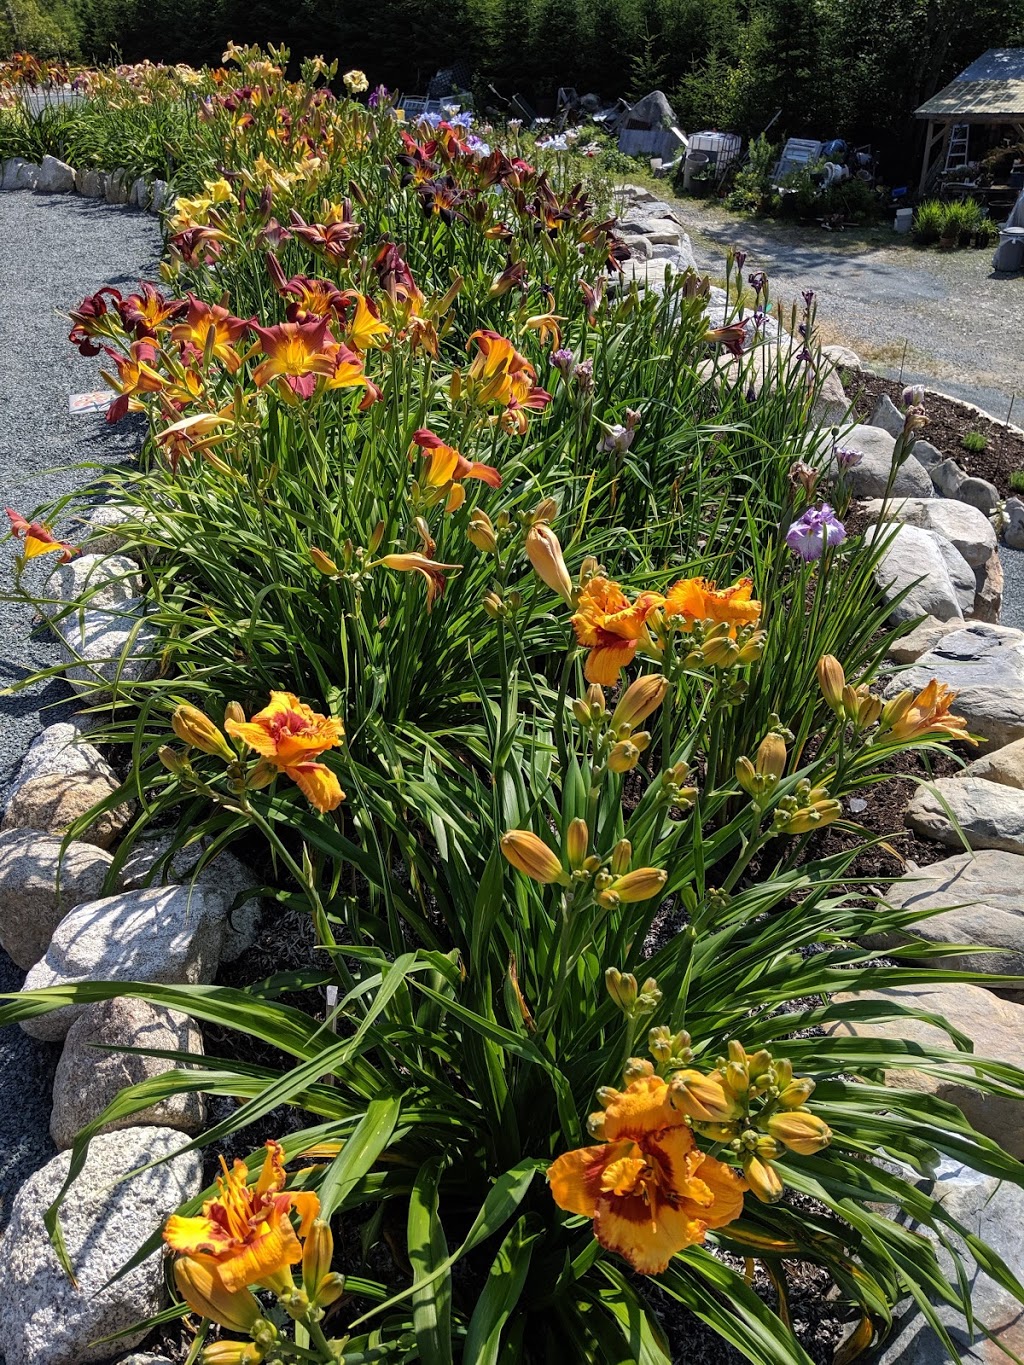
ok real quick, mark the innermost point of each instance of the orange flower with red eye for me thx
(289, 736)
(37, 538)
(244, 1235)
(611, 627)
(697, 599)
(194, 333)
(135, 375)
(148, 312)
(297, 352)
(648, 1187)
(365, 328)
(499, 376)
(446, 465)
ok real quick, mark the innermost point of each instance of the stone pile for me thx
(52, 176)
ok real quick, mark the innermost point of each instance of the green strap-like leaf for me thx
(505, 1281)
(428, 1253)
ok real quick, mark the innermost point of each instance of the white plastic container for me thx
(904, 220)
(720, 148)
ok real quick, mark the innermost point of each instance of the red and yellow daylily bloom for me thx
(37, 539)
(446, 465)
(135, 375)
(611, 627)
(297, 352)
(193, 334)
(289, 736)
(414, 562)
(546, 325)
(396, 278)
(332, 239)
(311, 297)
(245, 1235)
(365, 329)
(498, 376)
(195, 435)
(697, 599)
(149, 312)
(925, 715)
(648, 1187)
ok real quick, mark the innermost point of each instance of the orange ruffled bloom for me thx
(611, 627)
(697, 599)
(245, 1235)
(498, 375)
(648, 1187)
(928, 714)
(289, 736)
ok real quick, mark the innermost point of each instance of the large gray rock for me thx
(18, 174)
(927, 454)
(138, 196)
(925, 636)
(961, 575)
(989, 582)
(1004, 765)
(91, 184)
(842, 357)
(93, 580)
(157, 196)
(167, 934)
(55, 177)
(994, 1026)
(947, 476)
(984, 664)
(887, 415)
(104, 648)
(87, 1078)
(61, 750)
(989, 814)
(225, 875)
(870, 478)
(992, 1211)
(1013, 528)
(977, 897)
(964, 527)
(979, 493)
(118, 186)
(102, 532)
(914, 560)
(61, 779)
(39, 886)
(45, 1318)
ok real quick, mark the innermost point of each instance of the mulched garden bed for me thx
(947, 424)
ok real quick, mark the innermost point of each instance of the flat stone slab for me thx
(994, 1025)
(1004, 765)
(984, 664)
(167, 934)
(989, 814)
(45, 1319)
(979, 899)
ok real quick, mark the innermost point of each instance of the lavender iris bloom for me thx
(816, 530)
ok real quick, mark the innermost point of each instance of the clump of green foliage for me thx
(974, 441)
(954, 224)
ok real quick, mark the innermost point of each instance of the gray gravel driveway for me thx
(54, 249)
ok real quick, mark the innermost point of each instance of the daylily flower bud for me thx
(332, 1287)
(765, 1146)
(771, 756)
(640, 700)
(639, 885)
(204, 1293)
(323, 562)
(703, 1098)
(796, 1093)
(751, 650)
(782, 1072)
(545, 554)
(869, 709)
(531, 856)
(456, 497)
(317, 1254)
(494, 606)
(636, 1069)
(812, 817)
(581, 711)
(721, 652)
(736, 1078)
(649, 997)
(376, 536)
(481, 532)
(621, 986)
(760, 1064)
(605, 1095)
(659, 1043)
(234, 711)
(621, 855)
(193, 727)
(763, 1179)
(231, 1353)
(595, 700)
(577, 841)
(589, 569)
(261, 776)
(546, 510)
(800, 1131)
(896, 708)
(595, 1124)
(717, 1132)
(171, 759)
(624, 757)
(746, 776)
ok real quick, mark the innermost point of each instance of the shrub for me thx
(973, 441)
(1017, 481)
(543, 581)
(929, 221)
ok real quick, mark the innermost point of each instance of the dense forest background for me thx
(851, 67)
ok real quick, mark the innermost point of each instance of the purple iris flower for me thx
(847, 458)
(816, 530)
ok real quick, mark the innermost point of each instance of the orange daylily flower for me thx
(446, 465)
(611, 627)
(311, 298)
(927, 714)
(149, 312)
(414, 562)
(697, 599)
(135, 375)
(498, 376)
(546, 325)
(365, 329)
(193, 333)
(648, 1187)
(296, 353)
(289, 735)
(38, 539)
(245, 1235)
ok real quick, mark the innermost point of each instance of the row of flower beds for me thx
(500, 604)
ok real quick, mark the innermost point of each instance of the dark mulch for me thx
(947, 424)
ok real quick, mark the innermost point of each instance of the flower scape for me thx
(517, 634)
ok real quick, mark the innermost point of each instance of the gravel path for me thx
(959, 321)
(54, 249)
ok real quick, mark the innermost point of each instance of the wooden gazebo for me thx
(990, 93)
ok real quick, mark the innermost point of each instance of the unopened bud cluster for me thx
(609, 879)
(854, 704)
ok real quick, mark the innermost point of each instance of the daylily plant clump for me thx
(517, 617)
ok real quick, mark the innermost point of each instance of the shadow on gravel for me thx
(26, 1080)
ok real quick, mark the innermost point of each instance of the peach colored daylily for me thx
(289, 736)
(611, 627)
(648, 1187)
(244, 1235)
(928, 714)
(697, 599)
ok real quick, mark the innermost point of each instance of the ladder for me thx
(956, 153)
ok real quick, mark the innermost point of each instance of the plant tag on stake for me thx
(97, 401)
